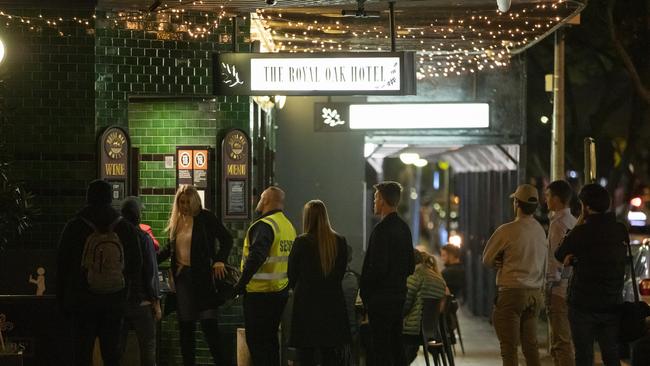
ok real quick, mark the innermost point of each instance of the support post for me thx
(590, 160)
(557, 134)
(235, 34)
(393, 30)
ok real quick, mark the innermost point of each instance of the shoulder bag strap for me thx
(635, 285)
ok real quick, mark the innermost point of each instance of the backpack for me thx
(102, 261)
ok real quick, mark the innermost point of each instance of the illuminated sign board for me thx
(371, 73)
(389, 116)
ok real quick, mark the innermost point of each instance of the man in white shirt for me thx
(518, 251)
(558, 198)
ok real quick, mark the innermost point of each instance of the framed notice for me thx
(236, 175)
(193, 168)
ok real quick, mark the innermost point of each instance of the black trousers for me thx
(587, 327)
(329, 356)
(262, 315)
(210, 328)
(385, 318)
(103, 322)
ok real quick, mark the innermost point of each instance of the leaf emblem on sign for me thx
(230, 75)
(331, 117)
(393, 79)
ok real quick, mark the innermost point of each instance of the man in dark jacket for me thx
(596, 249)
(388, 262)
(92, 314)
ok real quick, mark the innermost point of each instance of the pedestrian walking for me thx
(195, 265)
(317, 265)
(558, 200)
(264, 278)
(98, 256)
(596, 250)
(143, 303)
(388, 263)
(518, 251)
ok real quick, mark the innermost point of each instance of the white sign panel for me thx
(419, 116)
(309, 74)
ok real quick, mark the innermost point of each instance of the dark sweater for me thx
(72, 288)
(598, 247)
(388, 262)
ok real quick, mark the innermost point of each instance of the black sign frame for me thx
(120, 185)
(226, 178)
(241, 75)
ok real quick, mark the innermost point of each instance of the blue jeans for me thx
(587, 327)
(141, 319)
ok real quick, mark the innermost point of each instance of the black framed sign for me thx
(354, 73)
(114, 146)
(236, 175)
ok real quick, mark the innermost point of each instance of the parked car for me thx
(638, 221)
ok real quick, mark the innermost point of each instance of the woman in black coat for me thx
(195, 264)
(317, 264)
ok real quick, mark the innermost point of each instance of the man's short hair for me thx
(526, 207)
(562, 190)
(595, 197)
(391, 192)
(452, 250)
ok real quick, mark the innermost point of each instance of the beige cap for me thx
(526, 193)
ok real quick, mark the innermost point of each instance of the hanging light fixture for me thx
(2, 50)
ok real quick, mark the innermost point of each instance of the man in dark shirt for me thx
(388, 262)
(93, 314)
(264, 277)
(454, 271)
(596, 249)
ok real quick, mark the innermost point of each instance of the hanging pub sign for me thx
(193, 168)
(114, 147)
(236, 175)
(354, 73)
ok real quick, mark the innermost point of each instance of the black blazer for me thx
(319, 316)
(388, 263)
(206, 230)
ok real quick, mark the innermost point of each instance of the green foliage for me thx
(16, 204)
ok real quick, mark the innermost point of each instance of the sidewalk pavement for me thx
(482, 345)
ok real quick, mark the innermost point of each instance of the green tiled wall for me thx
(64, 89)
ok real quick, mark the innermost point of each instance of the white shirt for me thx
(518, 250)
(556, 275)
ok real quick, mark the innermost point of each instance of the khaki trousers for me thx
(561, 346)
(515, 321)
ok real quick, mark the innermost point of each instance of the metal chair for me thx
(430, 329)
(453, 324)
(444, 330)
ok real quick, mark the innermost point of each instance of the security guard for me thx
(264, 277)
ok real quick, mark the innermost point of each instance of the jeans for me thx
(262, 315)
(515, 322)
(385, 319)
(561, 346)
(103, 322)
(587, 327)
(141, 319)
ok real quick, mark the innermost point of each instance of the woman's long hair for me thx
(195, 206)
(428, 262)
(316, 223)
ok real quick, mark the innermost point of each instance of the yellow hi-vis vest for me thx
(272, 275)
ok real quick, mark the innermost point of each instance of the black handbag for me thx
(225, 287)
(633, 314)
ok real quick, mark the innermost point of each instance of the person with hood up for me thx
(98, 257)
(143, 308)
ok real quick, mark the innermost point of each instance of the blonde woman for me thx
(425, 282)
(195, 264)
(317, 264)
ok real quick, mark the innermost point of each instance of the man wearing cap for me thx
(518, 250)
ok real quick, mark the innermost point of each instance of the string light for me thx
(466, 41)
